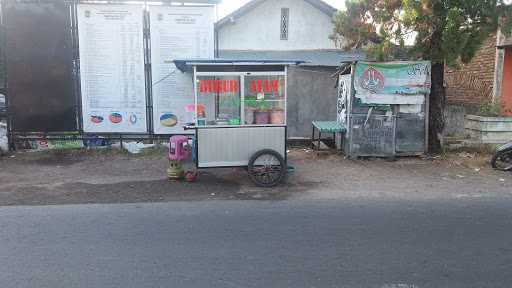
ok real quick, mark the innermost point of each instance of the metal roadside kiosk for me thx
(240, 116)
(384, 107)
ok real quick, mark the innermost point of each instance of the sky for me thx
(229, 6)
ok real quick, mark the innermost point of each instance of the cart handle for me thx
(189, 127)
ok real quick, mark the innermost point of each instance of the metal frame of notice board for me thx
(381, 130)
(15, 136)
(3, 88)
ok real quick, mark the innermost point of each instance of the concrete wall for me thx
(489, 130)
(454, 120)
(505, 40)
(312, 95)
(259, 29)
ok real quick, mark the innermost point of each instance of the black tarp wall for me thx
(39, 66)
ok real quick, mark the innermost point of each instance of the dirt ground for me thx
(47, 178)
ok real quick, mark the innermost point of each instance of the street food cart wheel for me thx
(267, 168)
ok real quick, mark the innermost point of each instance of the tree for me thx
(2, 60)
(446, 32)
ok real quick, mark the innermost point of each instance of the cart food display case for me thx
(240, 116)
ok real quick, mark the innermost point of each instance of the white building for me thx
(290, 30)
(281, 25)
(283, 29)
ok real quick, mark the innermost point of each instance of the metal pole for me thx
(286, 95)
(76, 66)
(427, 125)
(195, 97)
(148, 70)
(242, 99)
(319, 139)
(312, 136)
(5, 92)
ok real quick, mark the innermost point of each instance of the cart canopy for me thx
(186, 65)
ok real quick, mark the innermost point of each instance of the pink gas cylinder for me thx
(179, 149)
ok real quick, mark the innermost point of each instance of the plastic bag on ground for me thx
(4, 147)
(136, 147)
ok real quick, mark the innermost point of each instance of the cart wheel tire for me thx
(497, 159)
(268, 174)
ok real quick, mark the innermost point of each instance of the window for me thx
(264, 100)
(285, 20)
(218, 100)
(240, 100)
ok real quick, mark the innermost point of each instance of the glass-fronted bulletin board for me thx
(240, 99)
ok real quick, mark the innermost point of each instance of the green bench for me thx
(326, 127)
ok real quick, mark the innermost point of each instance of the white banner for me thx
(344, 97)
(112, 68)
(177, 33)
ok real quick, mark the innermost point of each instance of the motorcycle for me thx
(502, 159)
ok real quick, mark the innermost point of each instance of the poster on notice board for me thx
(112, 68)
(177, 33)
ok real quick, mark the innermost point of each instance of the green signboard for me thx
(393, 82)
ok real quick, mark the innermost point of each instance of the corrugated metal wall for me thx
(312, 96)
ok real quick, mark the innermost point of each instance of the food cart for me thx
(240, 116)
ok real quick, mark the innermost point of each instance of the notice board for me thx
(112, 68)
(177, 33)
(39, 66)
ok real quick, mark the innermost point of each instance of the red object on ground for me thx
(190, 176)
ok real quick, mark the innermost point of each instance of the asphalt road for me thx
(259, 244)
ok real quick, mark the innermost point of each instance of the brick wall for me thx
(472, 84)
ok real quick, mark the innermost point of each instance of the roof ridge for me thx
(319, 4)
(240, 11)
(323, 6)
